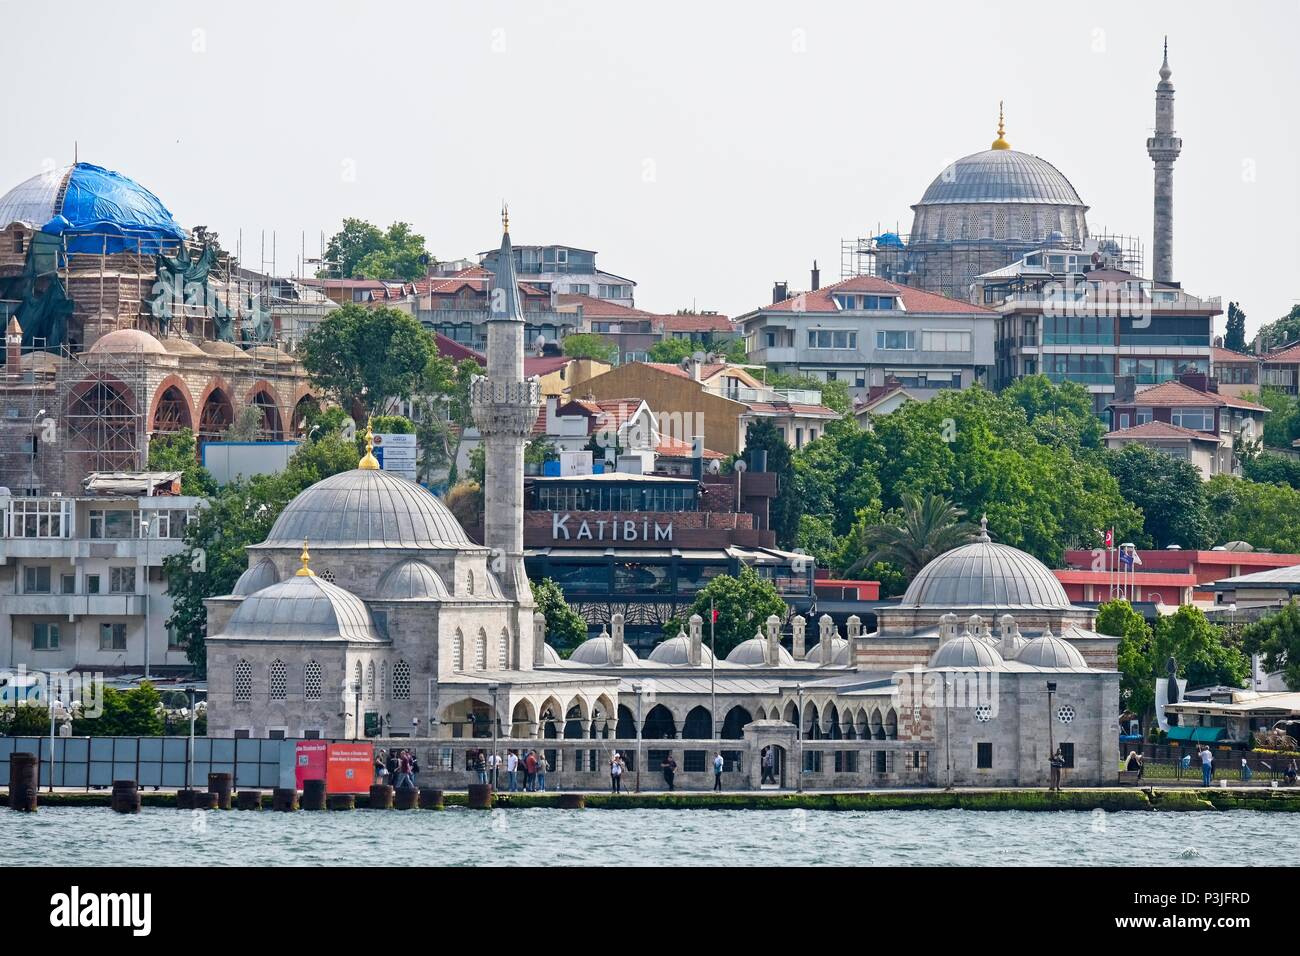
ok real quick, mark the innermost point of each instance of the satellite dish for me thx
(740, 466)
(700, 357)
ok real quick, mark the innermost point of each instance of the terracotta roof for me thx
(450, 348)
(1169, 394)
(697, 323)
(914, 300)
(1227, 355)
(475, 278)
(1288, 353)
(545, 364)
(789, 408)
(670, 447)
(1161, 430)
(599, 307)
(668, 367)
(539, 424)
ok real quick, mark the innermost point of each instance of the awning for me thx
(1181, 733)
(1206, 735)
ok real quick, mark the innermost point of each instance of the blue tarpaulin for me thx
(104, 211)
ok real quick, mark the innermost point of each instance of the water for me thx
(59, 836)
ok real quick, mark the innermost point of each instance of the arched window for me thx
(279, 680)
(480, 651)
(402, 681)
(370, 681)
(458, 651)
(383, 681)
(313, 681)
(243, 680)
(356, 680)
(469, 583)
(503, 651)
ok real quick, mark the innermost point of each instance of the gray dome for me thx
(841, 652)
(1050, 651)
(985, 575)
(551, 655)
(303, 608)
(598, 651)
(1001, 176)
(411, 580)
(366, 508)
(753, 653)
(677, 650)
(261, 575)
(965, 651)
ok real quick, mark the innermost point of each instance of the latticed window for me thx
(313, 681)
(356, 679)
(370, 681)
(383, 681)
(480, 651)
(279, 680)
(326, 575)
(243, 681)
(402, 681)
(503, 651)
(458, 652)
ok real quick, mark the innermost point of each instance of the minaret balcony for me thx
(505, 408)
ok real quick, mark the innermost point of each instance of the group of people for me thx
(525, 770)
(667, 766)
(398, 768)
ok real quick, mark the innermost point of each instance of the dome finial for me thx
(505, 217)
(368, 461)
(305, 571)
(1001, 142)
(984, 529)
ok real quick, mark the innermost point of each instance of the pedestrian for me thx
(718, 764)
(1291, 772)
(394, 761)
(1057, 762)
(669, 767)
(769, 766)
(415, 769)
(542, 767)
(1135, 763)
(512, 770)
(404, 778)
(1207, 766)
(379, 767)
(480, 765)
(616, 773)
(1245, 770)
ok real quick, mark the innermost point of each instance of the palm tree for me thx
(929, 527)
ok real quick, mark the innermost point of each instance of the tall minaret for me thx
(1163, 148)
(505, 407)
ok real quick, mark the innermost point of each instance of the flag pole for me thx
(713, 667)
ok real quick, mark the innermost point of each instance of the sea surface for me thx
(73, 836)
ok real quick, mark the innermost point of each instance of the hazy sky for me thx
(703, 149)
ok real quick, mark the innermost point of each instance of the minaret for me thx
(505, 406)
(1163, 148)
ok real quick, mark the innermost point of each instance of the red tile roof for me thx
(670, 447)
(599, 307)
(450, 348)
(1170, 394)
(914, 300)
(1288, 353)
(1221, 356)
(697, 323)
(1161, 430)
(544, 364)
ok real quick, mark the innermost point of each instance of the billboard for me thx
(309, 761)
(349, 768)
(397, 453)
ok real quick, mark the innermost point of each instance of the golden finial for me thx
(305, 571)
(1001, 142)
(505, 217)
(368, 461)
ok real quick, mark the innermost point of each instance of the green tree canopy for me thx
(565, 629)
(1235, 340)
(1169, 492)
(178, 451)
(743, 604)
(126, 713)
(1268, 516)
(1282, 423)
(671, 350)
(588, 345)
(1059, 414)
(367, 357)
(925, 528)
(1204, 652)
(1277, 638)
(786, 508)
(1273, 335)
(1133, 657)
(360, 250)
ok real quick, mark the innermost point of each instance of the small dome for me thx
(985, 575)
(223, 349)
(753, 653)
(841, 651)
(1050, 651)
(367, 508)
(42, 361)
(269, 353)
(261, 575)
(598, 651)
(551, 656)
(128, 340)
(303, 608)
(677, 651)
(965, 651)
(411, 580)
(179, 346)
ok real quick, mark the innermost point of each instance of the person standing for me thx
(530, 771)
(415, 769)
(512, 770)
(718, 764)
(769, 766)
(1207, 766)
(669, 767)
(541, 771)
(1057, 762)
(615, 773)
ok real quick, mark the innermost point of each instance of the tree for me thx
(565, 629)
(126, 713)
(361, 250)
(735, 352)
(1277, 639)
(1268, 516)
(743, 604)
(926, 528)
(443, 412)
(1059, 414)
(178, 451)
(1282, 423)
(246, 426)
(761, 435)
(1286, 330)
(1133, 656)
(1235, 340)
(465, 501)
(1204, 653)
(671, 350)
(367, 357)
(1270, 469)
(1169, 492)
(25, 719)
(590, 346)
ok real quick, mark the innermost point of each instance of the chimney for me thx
(539, 639)
(1125, 388)
(616, 632)
(797, 627)
(552, 423)
(773, 640)
(696, 624)
(1194, 379)
(14, 347)
(780, 292)
(816, 277)
(854, 626)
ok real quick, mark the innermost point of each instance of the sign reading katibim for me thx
(564, 527)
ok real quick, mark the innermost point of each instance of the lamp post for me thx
(1051, 747)
(189, 764)
(947, 732)
(32, 480)
(798, 736)
(494, 688)
(145, 529)
(52, 701)
(356, 693)
(636, 689)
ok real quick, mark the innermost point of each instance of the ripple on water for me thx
(458, 837)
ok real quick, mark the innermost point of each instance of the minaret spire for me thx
(1163, 148)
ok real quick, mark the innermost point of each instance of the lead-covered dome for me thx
(1001, 176)
(753, 653)
(411, 580)
(841, 651)
(965, 651)
(986, 575)
(1048, 650)
(368, 508)
(599, 651)
(302, 608)
(261, 575)
(677, 651)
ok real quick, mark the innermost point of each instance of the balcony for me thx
(795, 396)
(76, 605)
(1081, 338)
(777, 354)
(1082, 378)
(1138, 340)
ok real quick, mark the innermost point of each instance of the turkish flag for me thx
(1110, 537)
(715, 615)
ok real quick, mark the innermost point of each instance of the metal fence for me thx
(91, 762)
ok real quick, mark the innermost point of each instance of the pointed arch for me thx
(458, 651)
(698, 724)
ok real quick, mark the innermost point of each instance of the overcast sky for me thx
(703, 149)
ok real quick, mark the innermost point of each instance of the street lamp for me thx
(1051, 747)
(52, 701)
(189, 765)
(356, 692)
(32, 480)
(145, 527)
(494, 688)
(636, 689)
(947, 732)
(798, 736)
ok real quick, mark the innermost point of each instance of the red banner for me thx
(309, 762)
(349, 768)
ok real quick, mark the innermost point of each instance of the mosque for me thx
(369, 612)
